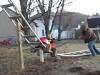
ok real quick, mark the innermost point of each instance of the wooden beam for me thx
(41, 55)
(19, 39)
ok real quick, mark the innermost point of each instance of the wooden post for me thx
(98, 33)
(41, 55)
(19, 39)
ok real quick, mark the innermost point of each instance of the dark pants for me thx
(92, 47)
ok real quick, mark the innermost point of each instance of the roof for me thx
(93, 21)
(71, 20)
(10, 11)
(94, 17)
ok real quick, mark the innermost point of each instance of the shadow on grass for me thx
(82, 71)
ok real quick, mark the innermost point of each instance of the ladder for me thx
(19, 16)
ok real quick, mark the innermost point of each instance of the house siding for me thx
(6, 26)
(64, 35)
(7, 29)
(40, 29)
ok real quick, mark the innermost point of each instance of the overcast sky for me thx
(88, 7)
(85, 6)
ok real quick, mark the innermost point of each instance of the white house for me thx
(40, 30)
(70, 19)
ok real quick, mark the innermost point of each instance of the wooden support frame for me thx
(19, 39)
(41, 55)
(19, 33)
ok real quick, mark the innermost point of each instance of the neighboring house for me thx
(68, 34)
(40, 30)
(6, 26)
(69, 21)
(7, 29)
(8, 32)
(94, 23)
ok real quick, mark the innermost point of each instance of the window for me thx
(42, 32)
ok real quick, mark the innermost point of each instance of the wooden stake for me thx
(41, 55)
(19, 39)
(98, 32)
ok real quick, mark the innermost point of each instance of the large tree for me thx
(60, 20)
(26, 11)
(45, 7)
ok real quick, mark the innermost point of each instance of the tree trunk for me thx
(59, 33)
(23, 4)
(98, 35)
(60, 18)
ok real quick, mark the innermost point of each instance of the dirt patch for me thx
(81, 71)
(93, 73)
(38, 68)
(76, 69)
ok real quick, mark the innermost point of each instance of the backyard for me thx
(86, 65)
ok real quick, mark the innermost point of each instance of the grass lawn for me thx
(9, 59)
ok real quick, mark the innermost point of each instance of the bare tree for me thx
(23, 4)
(47, 14)
(60, 18)
(42, 6)
(27, 8)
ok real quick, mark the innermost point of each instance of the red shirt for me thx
(43, 39)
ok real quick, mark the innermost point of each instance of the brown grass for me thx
(9, 60)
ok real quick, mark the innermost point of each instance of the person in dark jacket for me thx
(89, 37)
